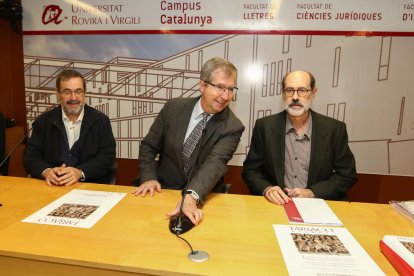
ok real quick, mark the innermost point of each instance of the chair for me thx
(112, 173)
(227, 188)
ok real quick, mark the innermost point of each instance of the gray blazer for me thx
(332, 169)
(166, 136)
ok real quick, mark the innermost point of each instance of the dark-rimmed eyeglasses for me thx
(221, 88)
(302, 91)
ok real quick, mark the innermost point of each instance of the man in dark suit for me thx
(173, 127)
(72, 142)
(298, 152)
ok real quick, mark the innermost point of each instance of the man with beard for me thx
(71, 142)
(298, 152)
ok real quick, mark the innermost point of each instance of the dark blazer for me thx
(166, 136)
(332, 165)
(96, 141)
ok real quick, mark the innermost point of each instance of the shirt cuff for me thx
(44, 171)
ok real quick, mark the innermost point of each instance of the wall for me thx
(12, 102)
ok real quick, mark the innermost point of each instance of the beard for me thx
(75, 110)
(297, 107)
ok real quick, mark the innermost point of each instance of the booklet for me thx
(77, 208)
(400, 253)
(311, 211)
(317, 250)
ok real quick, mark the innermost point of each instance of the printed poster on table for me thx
(78, 208)
(313, 250)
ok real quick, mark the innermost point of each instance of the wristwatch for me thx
(82, 178)
(194, 195)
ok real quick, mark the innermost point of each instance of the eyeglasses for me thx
(67, 92)
(302, 91)
(221, 88)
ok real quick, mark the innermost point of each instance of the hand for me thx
(148, 187)
(51, 176)
(189, 209)
(300, 192)
(276, 195)
(62, 176)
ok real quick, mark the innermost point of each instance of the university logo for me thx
(51, 13)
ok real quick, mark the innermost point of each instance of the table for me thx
(133, 238)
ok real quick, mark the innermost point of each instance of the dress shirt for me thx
(297, 155)
(196, 116)
(72, 128)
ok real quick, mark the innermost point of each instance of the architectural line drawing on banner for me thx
(356, 82)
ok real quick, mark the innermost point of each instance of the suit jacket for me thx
(166, 137)
(96, 141)
(332, 165)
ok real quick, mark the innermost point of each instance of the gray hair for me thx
(215, 63)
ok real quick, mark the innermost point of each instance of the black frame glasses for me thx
(302, 91)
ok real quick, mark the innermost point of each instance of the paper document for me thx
(77, 208)
(317, 250)
(311, 211)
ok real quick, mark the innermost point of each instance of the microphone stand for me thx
(14, 148)
(195, 255)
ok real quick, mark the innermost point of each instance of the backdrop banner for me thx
(137, 54)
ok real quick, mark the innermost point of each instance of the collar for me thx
(198, 110)
(308, 126)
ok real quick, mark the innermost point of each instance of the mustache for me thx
(296, 102)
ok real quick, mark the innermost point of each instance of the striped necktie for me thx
(192, 140)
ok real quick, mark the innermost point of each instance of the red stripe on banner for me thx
(402, 267)
(292, 212)
(263, 32)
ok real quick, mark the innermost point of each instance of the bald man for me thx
(298, 152)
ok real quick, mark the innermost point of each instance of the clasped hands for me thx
(190, 208)
(62, 176)
(276, 195)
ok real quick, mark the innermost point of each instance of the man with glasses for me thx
(194, 138)
(73, 141)
(298, 152)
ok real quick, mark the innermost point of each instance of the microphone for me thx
(180, 223)
(15, 148)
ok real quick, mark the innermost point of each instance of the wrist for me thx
(46, 172)
(82, 176)
(194, 196)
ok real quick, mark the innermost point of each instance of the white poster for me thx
(77, 208)
(312, 250)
